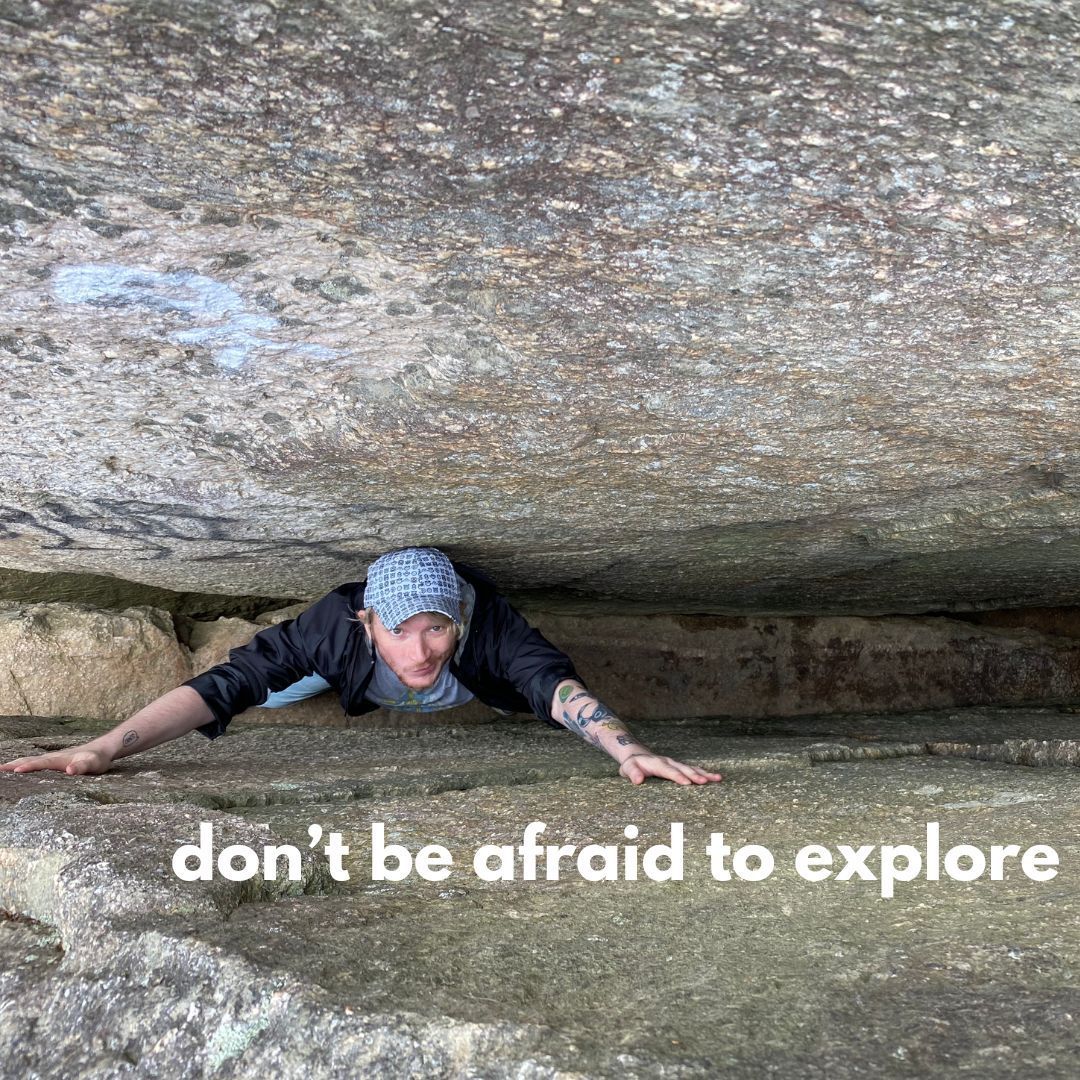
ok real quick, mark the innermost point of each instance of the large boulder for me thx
(65, 660)
(694, 305)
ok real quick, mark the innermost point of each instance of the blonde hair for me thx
(364, 616)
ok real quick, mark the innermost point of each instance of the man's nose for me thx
(421, 649)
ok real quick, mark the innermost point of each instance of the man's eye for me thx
(396, 632)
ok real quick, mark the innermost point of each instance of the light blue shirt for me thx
(387, 690)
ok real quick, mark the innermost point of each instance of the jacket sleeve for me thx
(527, 660)
(274, 659)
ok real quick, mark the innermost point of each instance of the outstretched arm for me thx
(170, 716)
(575, 708)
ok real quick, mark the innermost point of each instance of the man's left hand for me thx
(641, 765)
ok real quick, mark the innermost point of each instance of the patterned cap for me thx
(404, 583)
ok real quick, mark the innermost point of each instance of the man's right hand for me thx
(168, 717)
(75, 762)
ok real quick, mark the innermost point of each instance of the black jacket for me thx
(505, 662)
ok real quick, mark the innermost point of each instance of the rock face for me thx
(699, 306)
(755, 667)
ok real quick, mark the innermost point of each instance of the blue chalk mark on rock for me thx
(219, 317)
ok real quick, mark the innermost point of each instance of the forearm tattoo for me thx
(597, 715)
(593, 718)
(130, 738)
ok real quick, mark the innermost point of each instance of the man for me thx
(419, 635)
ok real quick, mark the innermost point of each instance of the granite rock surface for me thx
(700, 305)
(64, 659)
(113, 967)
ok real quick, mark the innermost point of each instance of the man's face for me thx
(418, 649)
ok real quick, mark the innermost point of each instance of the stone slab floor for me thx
(110, 966)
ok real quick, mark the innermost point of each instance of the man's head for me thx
(413, 613)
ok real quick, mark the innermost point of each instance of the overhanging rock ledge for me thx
(700, 306)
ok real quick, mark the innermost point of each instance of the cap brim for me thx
(436, 605)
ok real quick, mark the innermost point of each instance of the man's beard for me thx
(408, 679)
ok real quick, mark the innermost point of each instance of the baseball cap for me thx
(403, 583)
